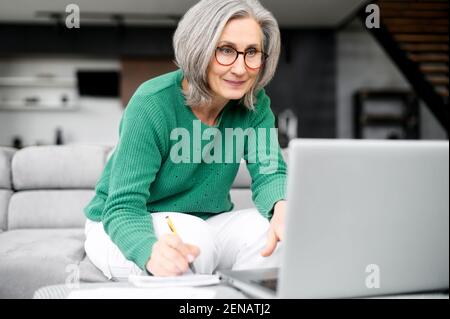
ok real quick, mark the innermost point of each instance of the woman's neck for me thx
(208, 114)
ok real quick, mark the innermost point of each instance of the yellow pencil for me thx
(174, 231)
(171, 225)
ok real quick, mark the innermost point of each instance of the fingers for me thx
(192, 250)
(158, 266)
(271, 244)
(281, 232)
(171, 257)
(173, 261)
(175, 251)
(174, 242)
(166, 261)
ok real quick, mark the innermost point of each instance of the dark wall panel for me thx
(95, 40)
(304, 82)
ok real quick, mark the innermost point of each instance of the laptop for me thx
(364, 218)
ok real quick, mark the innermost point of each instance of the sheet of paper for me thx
(143, 293)
(178, 281)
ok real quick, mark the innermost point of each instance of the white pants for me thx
(230, 240)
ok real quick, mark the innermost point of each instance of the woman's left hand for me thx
(276, 228)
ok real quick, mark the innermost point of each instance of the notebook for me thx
(176, 281)
(142, 293)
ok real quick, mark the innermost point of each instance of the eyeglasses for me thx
(253, 58)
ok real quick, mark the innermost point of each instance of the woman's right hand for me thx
(171, 257)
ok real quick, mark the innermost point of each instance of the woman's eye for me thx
(226, 50)
(251, 52)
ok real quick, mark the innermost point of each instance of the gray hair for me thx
(197, 35)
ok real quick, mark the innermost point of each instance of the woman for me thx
(226, 54)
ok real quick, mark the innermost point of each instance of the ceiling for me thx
(289, 13)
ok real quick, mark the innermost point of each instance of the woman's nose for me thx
(238, 66)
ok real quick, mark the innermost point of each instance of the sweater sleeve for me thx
(264, 159)
(137, 159)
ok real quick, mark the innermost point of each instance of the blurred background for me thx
(341, 74)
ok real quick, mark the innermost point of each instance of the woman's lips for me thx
(235, 83)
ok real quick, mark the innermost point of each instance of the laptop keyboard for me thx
(268, 283)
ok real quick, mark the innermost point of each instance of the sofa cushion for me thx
(33, 258)
(48, 208)
(6, 154)
(50, 167)
(90, 273)
(243, 178)
(5, 195)
(242, 198)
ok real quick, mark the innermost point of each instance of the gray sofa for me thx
(43, 191)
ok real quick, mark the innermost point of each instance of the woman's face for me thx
(233, 81)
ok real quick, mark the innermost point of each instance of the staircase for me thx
(414, 33)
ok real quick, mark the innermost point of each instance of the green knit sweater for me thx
(163, 163)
